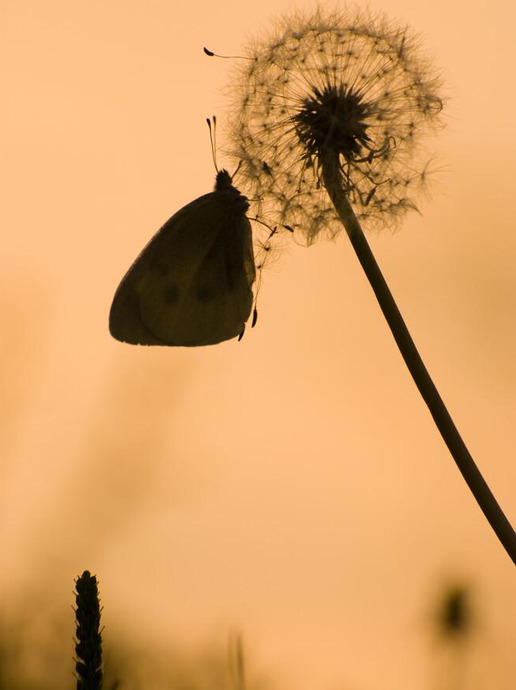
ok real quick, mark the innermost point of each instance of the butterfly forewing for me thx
(192, 284)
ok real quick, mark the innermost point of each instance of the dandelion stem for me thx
(333, 182)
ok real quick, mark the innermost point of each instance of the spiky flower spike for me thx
(88, 646)
(327, 127)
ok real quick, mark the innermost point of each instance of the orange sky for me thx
(291, 486)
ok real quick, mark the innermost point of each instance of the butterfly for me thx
(193, 282)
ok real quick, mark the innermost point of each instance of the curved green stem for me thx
(333, 182)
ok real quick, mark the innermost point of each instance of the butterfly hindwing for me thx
(192, 284)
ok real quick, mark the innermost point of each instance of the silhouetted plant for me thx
(88, 646)
(456, 659)
(455, 615)
(328, 126)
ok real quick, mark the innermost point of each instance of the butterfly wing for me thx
(192, 284)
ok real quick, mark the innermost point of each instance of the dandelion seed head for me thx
(349, 83)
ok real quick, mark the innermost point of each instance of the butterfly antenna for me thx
(213, 139)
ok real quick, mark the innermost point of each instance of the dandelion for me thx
(330, 97)
(329, 126)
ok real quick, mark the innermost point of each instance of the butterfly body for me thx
(192, 283)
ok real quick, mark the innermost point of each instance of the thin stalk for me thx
(502, 527)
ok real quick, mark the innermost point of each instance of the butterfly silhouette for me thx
(193, 282)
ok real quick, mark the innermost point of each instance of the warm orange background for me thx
(291, 486)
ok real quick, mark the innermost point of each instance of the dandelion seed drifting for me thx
(356, 88)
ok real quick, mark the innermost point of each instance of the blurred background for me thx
(290, 487)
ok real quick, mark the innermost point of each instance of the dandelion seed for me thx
(356, 90)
